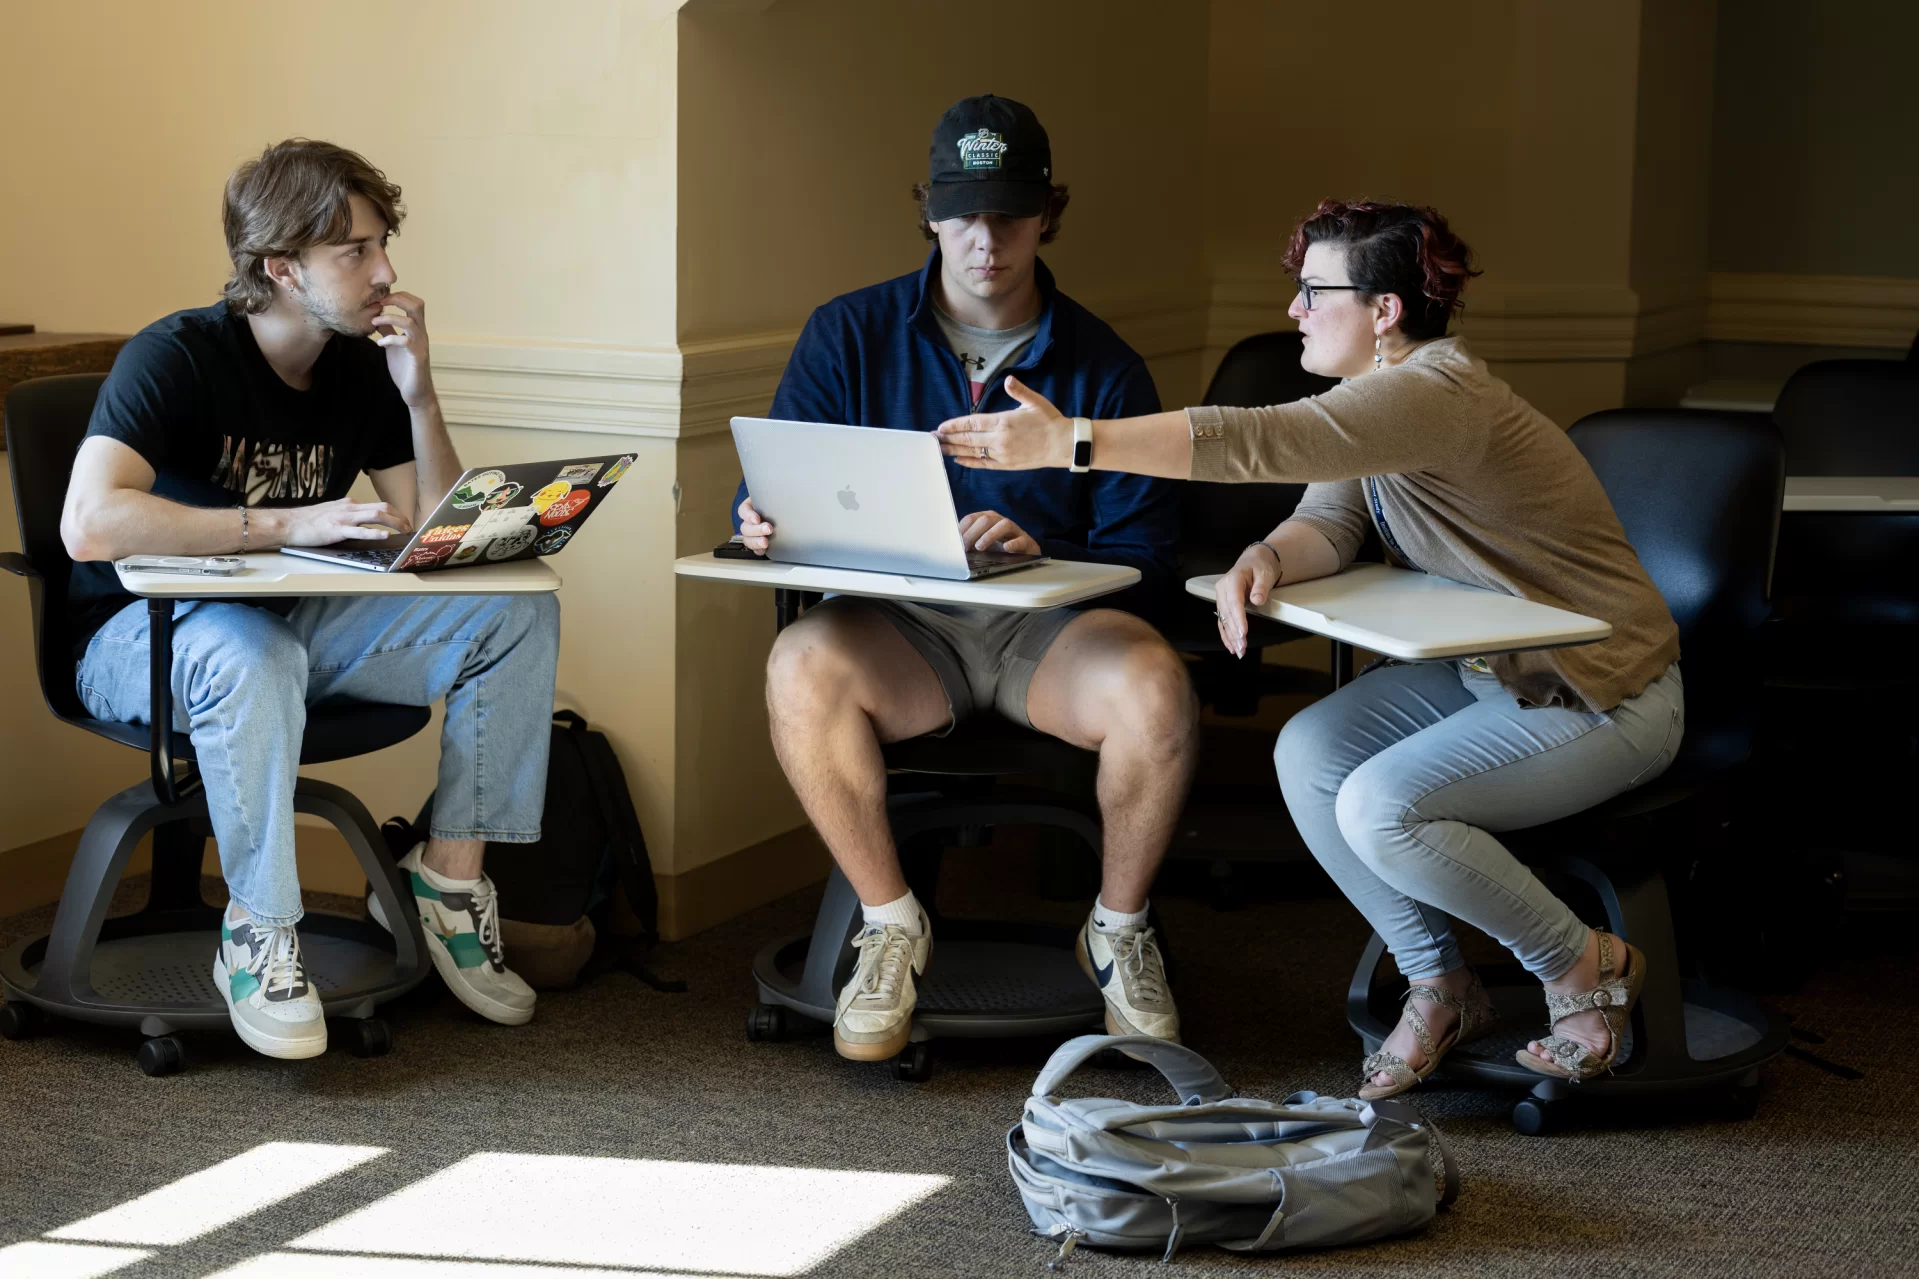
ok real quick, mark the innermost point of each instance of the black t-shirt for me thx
(193, 396)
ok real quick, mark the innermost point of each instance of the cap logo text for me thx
(981, 150)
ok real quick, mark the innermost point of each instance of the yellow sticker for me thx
(551, 494)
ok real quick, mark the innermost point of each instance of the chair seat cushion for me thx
(340, 730)
(986, 747)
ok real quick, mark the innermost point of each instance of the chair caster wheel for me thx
(766, 1024)
(20, 1020)
(162, 1055)
(369, 1038)
(1535, 1118)
(914, 1065)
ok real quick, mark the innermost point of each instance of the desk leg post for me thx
(1342, 663)
(166, 787)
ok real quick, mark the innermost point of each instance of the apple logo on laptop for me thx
(848, 498)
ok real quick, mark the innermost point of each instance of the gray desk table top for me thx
(1054, 584)
(1418, 617)
(1885, 494)
(270, 573)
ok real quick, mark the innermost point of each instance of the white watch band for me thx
(1082, 445)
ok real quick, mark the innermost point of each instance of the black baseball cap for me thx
(989, 155)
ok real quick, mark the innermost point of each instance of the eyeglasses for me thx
(1308, 292)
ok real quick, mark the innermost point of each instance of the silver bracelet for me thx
(243, 530)
(1278, 563)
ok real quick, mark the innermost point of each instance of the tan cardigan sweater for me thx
(1476, 485)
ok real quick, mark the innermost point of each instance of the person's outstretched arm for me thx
(1036, 434)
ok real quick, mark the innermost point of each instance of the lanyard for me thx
(1385, 529)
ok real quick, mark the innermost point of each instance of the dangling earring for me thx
(1379, 360)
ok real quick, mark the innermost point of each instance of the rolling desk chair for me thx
(1699, 494)
(1838, 649)
(152, 969)
(989, 980)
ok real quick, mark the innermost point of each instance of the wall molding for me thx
(607, 390)
(1812, 310)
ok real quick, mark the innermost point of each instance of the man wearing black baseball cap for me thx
(981, 314)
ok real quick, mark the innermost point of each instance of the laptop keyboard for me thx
(382, 557)
(977, 560)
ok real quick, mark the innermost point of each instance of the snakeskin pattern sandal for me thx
(1476, 1017)
(1613, 999)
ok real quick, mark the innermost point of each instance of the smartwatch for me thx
(1082, 445)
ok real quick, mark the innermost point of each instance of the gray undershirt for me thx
(984, 352)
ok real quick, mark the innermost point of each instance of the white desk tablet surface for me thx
(1885, 494)
(270, 573)
(1054, 584)
(1418, 617)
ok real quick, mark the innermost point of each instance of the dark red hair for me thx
(1404, 249)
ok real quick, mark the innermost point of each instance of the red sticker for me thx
(427, 556)
(566, 508)
(445, 533)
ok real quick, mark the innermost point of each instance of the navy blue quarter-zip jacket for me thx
(876, 357)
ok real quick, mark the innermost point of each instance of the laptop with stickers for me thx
(493, 515)
(860, 497)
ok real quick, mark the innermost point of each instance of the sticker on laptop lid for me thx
(501, 496)
(615, 471)
(550, 494)
(445, 533)
(552, 540)
(511, 543)
(467, 553)
(475, 491)
(565, 508)
(425, 556)
(579, 472)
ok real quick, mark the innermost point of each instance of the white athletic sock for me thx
(1108, 920)
(905, 912)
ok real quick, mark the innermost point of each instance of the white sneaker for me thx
(1126, 966)
(874, 1015)
(261, 976)
(463, 935)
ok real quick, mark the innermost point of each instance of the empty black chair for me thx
(1218, 521)
(1699, 495)
(153, 969)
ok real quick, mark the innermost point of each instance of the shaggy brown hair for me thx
(1056, 201)
(297, 194)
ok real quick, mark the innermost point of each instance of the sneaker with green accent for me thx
(462, 929)
(274, 1007)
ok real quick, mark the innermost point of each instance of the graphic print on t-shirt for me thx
(270, 470)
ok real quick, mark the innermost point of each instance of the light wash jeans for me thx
(243, 678)
(1397, 780)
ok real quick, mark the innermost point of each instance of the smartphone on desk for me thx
(197, 565)
(735, 549)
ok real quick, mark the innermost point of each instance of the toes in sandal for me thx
(1476, 1017)
(1613, 999)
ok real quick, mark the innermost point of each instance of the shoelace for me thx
(484, 910)
(277, 964)
(1139, 955)
(882, 980)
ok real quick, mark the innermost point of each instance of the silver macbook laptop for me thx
(859, 497)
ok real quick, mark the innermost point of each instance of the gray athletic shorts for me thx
(984, 657)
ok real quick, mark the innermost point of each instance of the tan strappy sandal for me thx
(1612, 999)
(1476, 1017)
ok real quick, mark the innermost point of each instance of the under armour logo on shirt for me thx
(972, 361)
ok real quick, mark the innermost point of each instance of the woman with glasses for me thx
(1399, 780)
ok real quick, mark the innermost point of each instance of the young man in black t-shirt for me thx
(241, 427)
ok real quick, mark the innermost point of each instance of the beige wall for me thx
(1814, 127)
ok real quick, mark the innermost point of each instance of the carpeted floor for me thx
(1819, 1184)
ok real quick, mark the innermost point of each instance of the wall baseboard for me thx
(698, 899)
(1812, 310)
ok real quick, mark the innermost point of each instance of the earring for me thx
(1379, 360)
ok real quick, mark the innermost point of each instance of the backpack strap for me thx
(1190, 1074)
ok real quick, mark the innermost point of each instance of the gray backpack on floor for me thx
(1252, 1176)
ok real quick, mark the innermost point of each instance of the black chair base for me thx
(1685, 1037)
(986, 980)
(153, 969)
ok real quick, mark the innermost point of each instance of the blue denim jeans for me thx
(243, 678)
(1398, 780)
